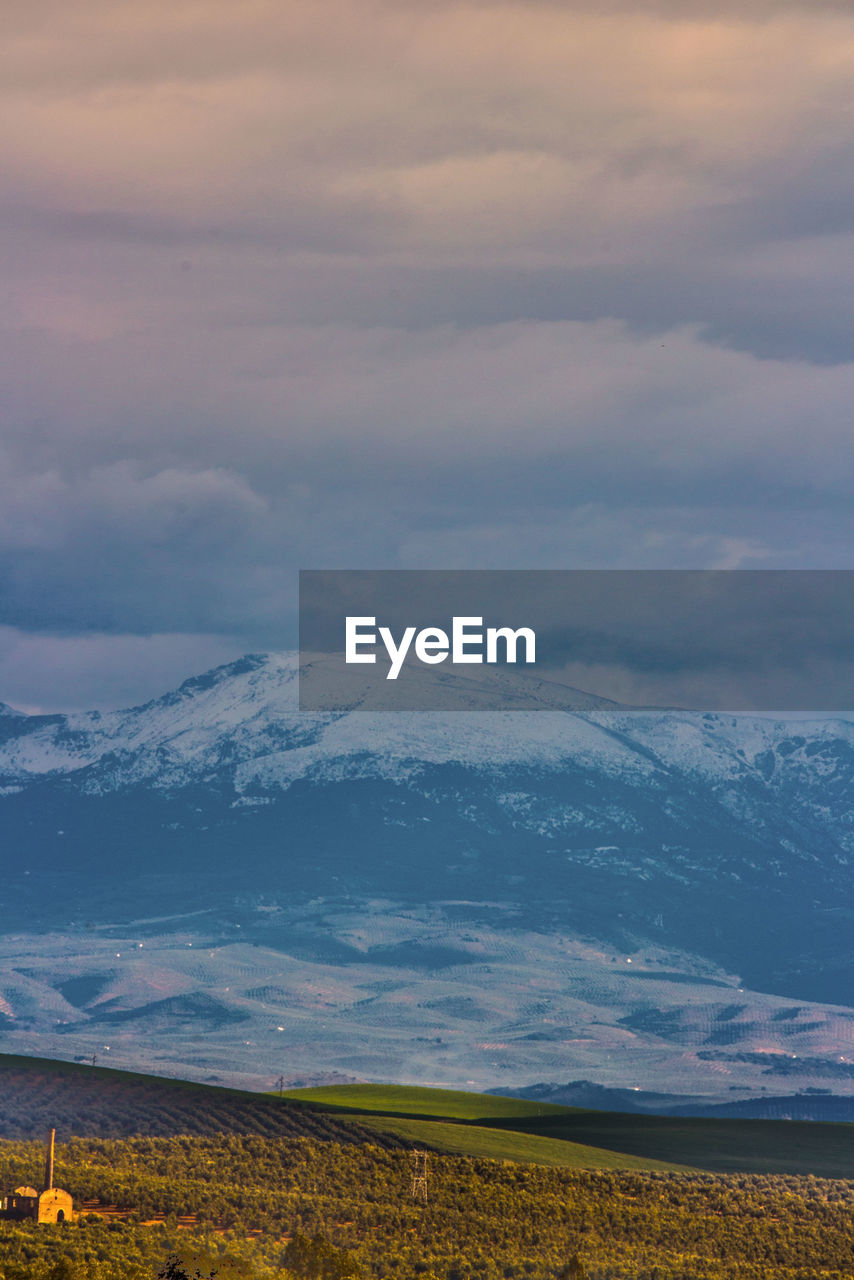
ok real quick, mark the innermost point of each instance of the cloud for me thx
(511, 134)
(471, 163)
(527, 443)
(46, 673)
(115, 549)
(221, 421)
(492, 283)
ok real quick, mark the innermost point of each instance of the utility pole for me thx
(280, 1085)
(419, 1176)
(48, 1164)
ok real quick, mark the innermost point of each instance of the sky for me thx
(407, 285)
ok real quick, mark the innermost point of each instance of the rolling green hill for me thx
(436, 1104)
(36, 1094)
(544, 1133)
(509, 1144)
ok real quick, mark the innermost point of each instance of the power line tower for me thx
(419, 1176)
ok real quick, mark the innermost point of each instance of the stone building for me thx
(51, 1204)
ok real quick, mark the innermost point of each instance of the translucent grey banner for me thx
(499, 640)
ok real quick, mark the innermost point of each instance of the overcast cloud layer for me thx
(393, 284)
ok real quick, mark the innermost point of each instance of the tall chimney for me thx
(48, 1164)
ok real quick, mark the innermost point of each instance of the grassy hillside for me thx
(550, 1134)
(507, 1144)
(721, 1146)
(411, 1100)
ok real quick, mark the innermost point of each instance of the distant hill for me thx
(97, 1102)
(812, 1104)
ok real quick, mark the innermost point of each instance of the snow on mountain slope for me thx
(244, 717)
(237, 730)
(674, 798)
(237, 704)
(246, 714)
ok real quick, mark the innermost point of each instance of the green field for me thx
(507, 1144)
(517, 1129)
(412, 1100)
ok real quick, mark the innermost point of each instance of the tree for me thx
(574, 1270)
(317, 1259)
(175, 1269)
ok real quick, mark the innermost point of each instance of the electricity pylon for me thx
(419, 1176)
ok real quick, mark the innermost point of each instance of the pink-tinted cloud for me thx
(491, 283)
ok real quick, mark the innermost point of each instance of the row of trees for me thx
(322, 1211)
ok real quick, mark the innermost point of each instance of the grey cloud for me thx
(116, 549)
(496, 284)
(500, 446)
(311, 221)
(278, 404)
(51, 673)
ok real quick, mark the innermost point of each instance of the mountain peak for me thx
(209, 679)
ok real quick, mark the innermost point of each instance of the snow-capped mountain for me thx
(714, 844)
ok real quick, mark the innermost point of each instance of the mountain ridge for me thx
(701, 852)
